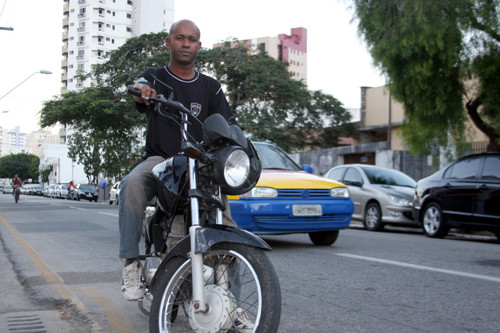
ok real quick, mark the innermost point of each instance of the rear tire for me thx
(232, 266)
(324, 238)
(434, 222)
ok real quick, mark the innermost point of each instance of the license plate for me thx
(307, 210)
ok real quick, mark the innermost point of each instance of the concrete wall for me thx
(323, 160)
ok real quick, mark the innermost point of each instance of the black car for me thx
(84, 191)
(465, 194)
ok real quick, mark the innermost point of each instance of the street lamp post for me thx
(41, 72)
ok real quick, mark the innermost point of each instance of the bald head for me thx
(175, 26)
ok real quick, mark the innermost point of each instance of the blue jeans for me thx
(136, 190)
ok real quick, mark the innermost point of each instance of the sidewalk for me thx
(21, 312)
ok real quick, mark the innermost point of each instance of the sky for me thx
(338, 62)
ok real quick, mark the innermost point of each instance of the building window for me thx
(129, 15)
(129, 29)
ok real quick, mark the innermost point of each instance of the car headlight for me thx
(261, 192)
(339, 192)
(400, 201)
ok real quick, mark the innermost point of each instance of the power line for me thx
(4, 3)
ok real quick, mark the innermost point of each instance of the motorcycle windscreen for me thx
(170, 176)
(216, 129)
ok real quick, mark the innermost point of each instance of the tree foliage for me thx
(442, 59)
(267, 102)
(270, 104)
(23, 164)
(102, 124)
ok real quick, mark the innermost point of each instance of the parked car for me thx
(85, 191)
(37, 190)
(8, 189)
(50, 191)
(288, 200)
(114, 193)
(465, 194)
(381, 196)
(62, 191)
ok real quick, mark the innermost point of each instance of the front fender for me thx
(208, 237)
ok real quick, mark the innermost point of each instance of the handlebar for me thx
(161, 99)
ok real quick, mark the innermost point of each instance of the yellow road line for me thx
(117, 316)
(51, 277)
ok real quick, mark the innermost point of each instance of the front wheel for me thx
(241, 290)
(434, 222)
(373, 217)
(324, 238)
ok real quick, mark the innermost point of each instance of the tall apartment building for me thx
(15, 142)
(287, 48)
(93, 28)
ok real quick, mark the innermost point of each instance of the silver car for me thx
(114, 194)
(380, 195)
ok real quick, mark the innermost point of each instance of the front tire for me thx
(434, 222)
(324, 238)
(240, 279)
(373, 217)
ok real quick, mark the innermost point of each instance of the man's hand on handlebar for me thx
(146, 91)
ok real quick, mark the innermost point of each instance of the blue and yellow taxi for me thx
(290, 199)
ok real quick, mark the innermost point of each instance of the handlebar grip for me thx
(133, 91)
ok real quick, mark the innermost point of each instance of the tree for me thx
(269, 103)
(443, 62)
(23, 164)
(45, 173)
(103, 126)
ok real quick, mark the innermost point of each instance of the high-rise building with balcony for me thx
(93, 28)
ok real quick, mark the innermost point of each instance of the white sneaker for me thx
(132, 287)
(242, 321)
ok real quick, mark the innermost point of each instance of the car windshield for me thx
(388, 177)
(273, 157)
(87, 188)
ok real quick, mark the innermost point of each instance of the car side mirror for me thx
(307, 168)
(353, 183)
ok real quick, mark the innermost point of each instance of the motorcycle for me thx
(218, 277)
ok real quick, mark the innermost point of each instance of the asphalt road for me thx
(59, 264)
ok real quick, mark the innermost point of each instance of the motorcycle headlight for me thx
(232, 167)
(236, 168)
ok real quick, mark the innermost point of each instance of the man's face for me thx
(184, 43)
